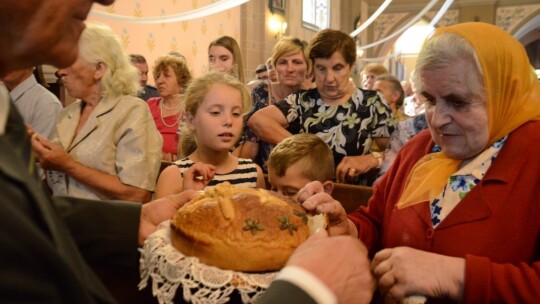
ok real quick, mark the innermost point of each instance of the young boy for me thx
(298, 160)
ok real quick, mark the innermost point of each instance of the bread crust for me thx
(248, 230)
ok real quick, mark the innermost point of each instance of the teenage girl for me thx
(224, 56)
(214, 108)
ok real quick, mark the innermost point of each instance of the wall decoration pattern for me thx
(510, 16)
(451, 17)
(190, 38)
(386, 22)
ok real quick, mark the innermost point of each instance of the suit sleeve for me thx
(284, 292)
(106, 232)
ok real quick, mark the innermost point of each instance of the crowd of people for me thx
(444, 199)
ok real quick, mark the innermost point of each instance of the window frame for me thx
(314, 26)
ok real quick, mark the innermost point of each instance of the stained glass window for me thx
(316, 14)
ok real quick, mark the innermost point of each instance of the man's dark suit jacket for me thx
(148, 92)
(39, 260)
(45, 244)
(284, 292)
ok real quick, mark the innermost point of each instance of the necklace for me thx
(161, 107)
(168, 108)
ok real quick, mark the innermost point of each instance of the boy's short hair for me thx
(313, 151)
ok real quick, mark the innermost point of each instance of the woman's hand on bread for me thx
(198, 176)
(159, 210)
(315, 199)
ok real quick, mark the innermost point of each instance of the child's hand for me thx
(198, 176)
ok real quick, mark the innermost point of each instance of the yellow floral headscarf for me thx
(512, 96)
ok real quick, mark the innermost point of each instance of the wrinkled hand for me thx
(159, 210)
(313, 198)
(352, 166)
(198, 176)
(404, 271)
(340, 262)
(50, 155)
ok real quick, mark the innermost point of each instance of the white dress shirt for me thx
(38, 106)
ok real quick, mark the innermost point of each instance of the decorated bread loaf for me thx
(249, 230)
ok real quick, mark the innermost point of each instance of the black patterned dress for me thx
(348, 129)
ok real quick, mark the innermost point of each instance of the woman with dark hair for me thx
(355, 123)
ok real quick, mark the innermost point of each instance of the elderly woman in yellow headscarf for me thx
(457, 217)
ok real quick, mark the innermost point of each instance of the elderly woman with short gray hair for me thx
(107, 145)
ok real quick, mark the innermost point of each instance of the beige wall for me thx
(190, 38)
(257, 38)
(482, 13)
(249, 25)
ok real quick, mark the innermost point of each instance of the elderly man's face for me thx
(458, 121)
(143, 73)
(41, 31)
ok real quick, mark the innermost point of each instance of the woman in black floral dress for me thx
(355, 123)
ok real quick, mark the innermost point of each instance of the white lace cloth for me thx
(169, 269)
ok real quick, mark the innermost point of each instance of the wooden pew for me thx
(351, 196)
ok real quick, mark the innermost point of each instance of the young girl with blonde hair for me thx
(215, 105)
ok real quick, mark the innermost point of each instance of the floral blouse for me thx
(348, 129)
(462, 182)
(404, 131)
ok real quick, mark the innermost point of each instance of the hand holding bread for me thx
(159, 210)
(316, 200)
(241, 229)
